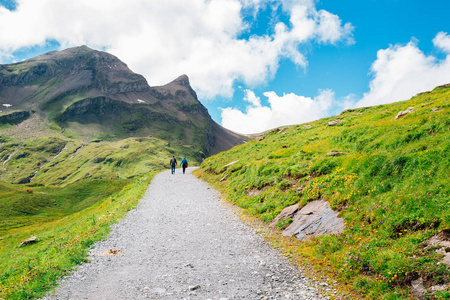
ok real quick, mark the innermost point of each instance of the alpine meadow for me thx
(81, 138)
(386, 173)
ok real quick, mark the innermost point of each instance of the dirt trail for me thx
(181, 242)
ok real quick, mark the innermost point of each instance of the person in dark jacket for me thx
(173, 163)
(184, 164)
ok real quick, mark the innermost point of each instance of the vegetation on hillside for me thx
(28, 272)
(80, 137)
(67, 192)
(390, 183)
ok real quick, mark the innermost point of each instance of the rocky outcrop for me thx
(441, 242)
(335, 122)
(230, 164)
(30, 240)
(334, 153)
(15, 117)
(314, 219)
(287, 213)
(404, 113)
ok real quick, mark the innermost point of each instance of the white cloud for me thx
(442, 41)
(402, 71)
(399, 72)
(288, 109)
(162, 39)
(252, 98)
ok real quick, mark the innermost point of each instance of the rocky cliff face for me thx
(81, 89)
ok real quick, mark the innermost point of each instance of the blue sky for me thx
(255, 64)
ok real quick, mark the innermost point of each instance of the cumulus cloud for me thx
(442, 41)
(288, 109)
(162, 39)
(398, 73)
(402, 71)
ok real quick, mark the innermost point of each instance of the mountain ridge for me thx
(53, 85)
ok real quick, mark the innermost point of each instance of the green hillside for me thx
(390, 183)
(67, 193)
(84, 94)
(81, 136)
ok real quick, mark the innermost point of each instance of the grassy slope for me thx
(76, 191)
(391, 187)
(28, 272)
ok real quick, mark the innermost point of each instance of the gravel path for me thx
(182, 243)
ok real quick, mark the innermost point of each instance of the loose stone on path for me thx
(182, 243)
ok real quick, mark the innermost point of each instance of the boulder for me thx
(254, 192)
(31, 240)
(230, 164)
(315, 219)
(418, 288)
(286, 213)
(435, 109)
(441, 241)
(335, 122)
(307, 126)
(405, 112)
(336, 153)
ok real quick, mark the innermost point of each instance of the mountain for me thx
(384, 170)
(86, 94)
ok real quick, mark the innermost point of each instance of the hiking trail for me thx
(182, 242)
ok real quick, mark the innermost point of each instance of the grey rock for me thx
(332, 153)
(418, 288)
(288, 212)
(30, 240)
(404, 113)
(441, 240)
(194, 287)
(335, 122)
(315, 219)
(230, 164)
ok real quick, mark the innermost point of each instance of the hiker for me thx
(184, 164)
(173, 163)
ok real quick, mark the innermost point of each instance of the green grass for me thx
(77, 191)
(30, 271)
(23, 205)
(391, 187)
(56, 161)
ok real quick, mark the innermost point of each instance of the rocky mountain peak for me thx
(182, 80)
(99, 92)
